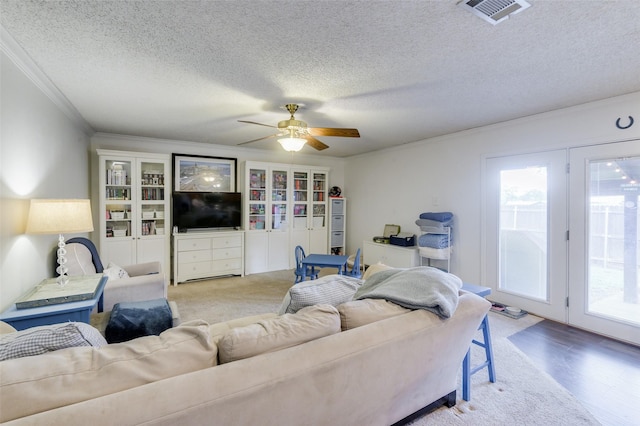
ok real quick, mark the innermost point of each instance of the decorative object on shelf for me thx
(335, 191)
(204, 174)
(47, 216)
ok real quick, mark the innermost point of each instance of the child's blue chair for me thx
(356, 271)
(310, 273)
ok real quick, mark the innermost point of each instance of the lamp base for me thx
(62, 269)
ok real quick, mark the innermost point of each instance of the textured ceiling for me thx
(399, 71)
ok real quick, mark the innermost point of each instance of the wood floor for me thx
(603, 374)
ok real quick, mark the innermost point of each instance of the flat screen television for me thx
(207, 210)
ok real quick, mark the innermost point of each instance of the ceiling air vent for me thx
(494, 11)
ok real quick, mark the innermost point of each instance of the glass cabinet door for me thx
(319, 200)
(151, 217)
(300, 200)
(279, 199)
(257, 198)
(118, 197)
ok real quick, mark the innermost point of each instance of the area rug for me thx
(522, 394)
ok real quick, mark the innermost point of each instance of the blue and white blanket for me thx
(422, 287)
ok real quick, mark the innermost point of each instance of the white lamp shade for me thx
(292, 144)
(59, 217)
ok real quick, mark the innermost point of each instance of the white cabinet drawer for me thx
(207, 255)
(194, 256)
(227, 253)
(337, 222)
(226, 264)
(194, 244)
(196, 268)
(229, 241)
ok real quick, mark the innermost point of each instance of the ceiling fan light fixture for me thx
(292, 144)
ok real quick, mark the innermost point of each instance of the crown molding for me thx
(23, 61)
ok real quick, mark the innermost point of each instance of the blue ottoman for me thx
(130, 320)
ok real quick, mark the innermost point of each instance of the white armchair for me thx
(143, 281)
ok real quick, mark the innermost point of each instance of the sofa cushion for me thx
(331, 289)
(277, 333)
(219, 329)
(361, 312)
(34, 384)
(376, 267)
(47, 338)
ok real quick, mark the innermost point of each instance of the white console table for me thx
(198, 255)
(396, 256)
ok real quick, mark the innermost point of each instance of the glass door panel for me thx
(279, 213)
(605, 270)
(300, 200)
(257, 198)
(526, 225)
(118, 196)
(152, 198)
(319, 201)
(613, 238)
(319, 186)
(523, 232)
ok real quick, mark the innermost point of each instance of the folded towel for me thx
(433, 253)
(432, 225)
(437, 241)
(437, 216)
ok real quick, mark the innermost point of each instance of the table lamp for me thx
(58, 217)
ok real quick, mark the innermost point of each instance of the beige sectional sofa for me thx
(364, 362)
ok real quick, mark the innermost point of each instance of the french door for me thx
(525, 239)
(604, 284)
(562, 236)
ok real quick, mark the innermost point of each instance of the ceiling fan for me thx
(294, 133)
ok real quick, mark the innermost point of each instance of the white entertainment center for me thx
(203, 254)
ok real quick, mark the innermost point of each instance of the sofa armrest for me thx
(136, 288)
(148, 268)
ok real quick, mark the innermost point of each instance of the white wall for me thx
(445, 173)
(43, 154)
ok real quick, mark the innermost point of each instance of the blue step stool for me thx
(467, 370)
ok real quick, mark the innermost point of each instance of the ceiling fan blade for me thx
(259, 139)
(315, 143)
(259, 124)
(328, 131)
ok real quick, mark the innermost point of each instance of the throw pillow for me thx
(361, 312)
(48, 338)
(375, 268)
(269, 335)
(331, 289)
(130, 320)
(114, 272)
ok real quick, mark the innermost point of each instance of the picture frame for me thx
(199, 173)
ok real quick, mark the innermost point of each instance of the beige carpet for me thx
(522, 395)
